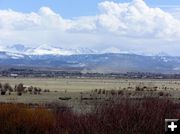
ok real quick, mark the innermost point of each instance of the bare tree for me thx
(1, 86)
(20, 89)
(4, 88)
(3, 91)
(30, 89)
(39, 90)
(8, 87)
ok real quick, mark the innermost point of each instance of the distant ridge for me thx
(88, 60)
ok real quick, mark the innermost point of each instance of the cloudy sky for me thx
(137, 26)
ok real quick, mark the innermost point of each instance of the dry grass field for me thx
(88, 106)
(76, 85)
(78, 93)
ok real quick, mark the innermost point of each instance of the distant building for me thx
(14, 75)
(43, 75)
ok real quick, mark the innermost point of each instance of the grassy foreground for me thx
(121, 116)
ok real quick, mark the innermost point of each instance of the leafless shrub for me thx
(120, 92)
(20, 119)
(124, 117)
(46, 90)
(4, 88)
(99, 91)
(113, 92)
(161, 93)
(36, 90)
(104, 91)
(30, 89)
(20, 89)
(65, 98)
(8, 87)
(139, 88)
(39, 90)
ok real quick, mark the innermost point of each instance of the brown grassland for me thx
(103, 107)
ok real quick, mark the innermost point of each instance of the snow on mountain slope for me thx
(10, 55)
(47, 50)
(111, 60)
(3, 55)
(51, 50)
(17, 48)
(19, 51)
(15, 55)
(114, 50)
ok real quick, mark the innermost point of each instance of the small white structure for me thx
(14, 75)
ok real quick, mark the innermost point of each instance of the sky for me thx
(71, 8)
(136, 26)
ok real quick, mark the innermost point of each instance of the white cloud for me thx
(174, 10)
(85, 23)
(121, 25)
(137, 19)
(44, 19)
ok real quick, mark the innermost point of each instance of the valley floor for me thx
(82, 94)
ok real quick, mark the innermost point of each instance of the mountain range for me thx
(84, 59)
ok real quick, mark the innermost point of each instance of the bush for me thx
(7, 86)
(3, 92)
(30, 89)
(1, 86)
(113, 92)
(19, 119)
(104, 91)
(4, 88)
(140, 88)
(65, 98)
(161, 93)
(20, 89)
(120, 92)
(121, 117)
(46, 90)
(99, 91)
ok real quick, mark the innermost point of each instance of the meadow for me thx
(79, 87)
(87, 84)
(87, 106)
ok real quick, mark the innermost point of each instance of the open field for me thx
(83, 93)
(74, 106)
(76, 85)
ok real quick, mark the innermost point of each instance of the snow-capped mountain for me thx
(114, 50)
(110, 60)
(47, 50)
(50, 50)
(17, 48)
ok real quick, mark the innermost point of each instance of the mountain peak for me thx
(17, 48)
(46, 49)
